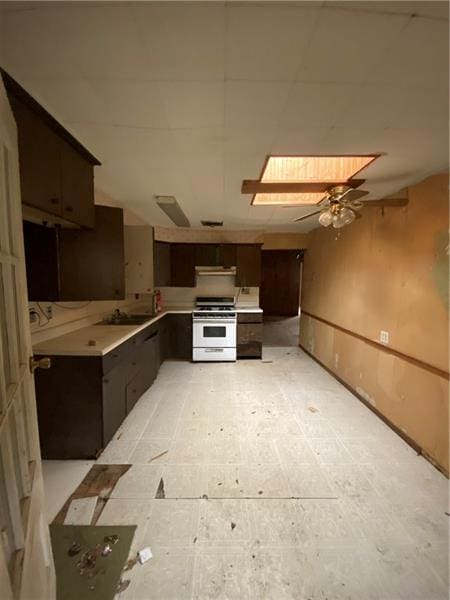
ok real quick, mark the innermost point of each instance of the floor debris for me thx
(99, 482)
(122, 586)
(158, 456)
(160, 493)
(313, 409)
(131, 562)
(233, 525)
(194, 540)
(145, 554)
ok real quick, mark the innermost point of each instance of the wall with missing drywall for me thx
(387, 272)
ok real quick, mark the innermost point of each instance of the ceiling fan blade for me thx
(352, 195)
(317, 212)
(387, 202)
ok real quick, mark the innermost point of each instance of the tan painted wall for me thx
(285, 241)
(387, 272)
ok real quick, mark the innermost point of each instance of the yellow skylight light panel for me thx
(314, 168)
(287, 199)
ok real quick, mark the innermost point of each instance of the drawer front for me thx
(249, 317)
(116, 356)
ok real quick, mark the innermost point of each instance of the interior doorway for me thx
(280, 296)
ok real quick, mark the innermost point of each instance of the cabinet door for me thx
(134, 390)
(77, 185)
(182, 262)
(114, 400)
(249, 340)
(181, 336)
(206, 255)
(91, 262)
(149, 359)
(227, 255)
(138, 241)
(248, 265)
(161, 264)
(39, 159)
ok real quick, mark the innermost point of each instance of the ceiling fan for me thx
(340, 205)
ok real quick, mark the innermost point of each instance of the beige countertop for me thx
(106, 337)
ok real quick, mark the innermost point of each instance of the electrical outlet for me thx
(384, 337)
(48, 311)
(245, 290)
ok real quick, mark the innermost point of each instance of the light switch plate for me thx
(384, 337)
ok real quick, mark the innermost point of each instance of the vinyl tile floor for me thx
(278, 483)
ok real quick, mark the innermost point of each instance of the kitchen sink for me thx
(127, 320)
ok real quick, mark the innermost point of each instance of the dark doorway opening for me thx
(280, 296)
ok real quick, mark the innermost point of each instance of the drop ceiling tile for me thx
(184, 41)
(243, 142)
(103, 101)
(300, 140)
(253, 103)
(418, 57)
(317, 104)
(193, 104)
(267, 42)
(345, 47)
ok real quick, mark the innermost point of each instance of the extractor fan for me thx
(340, 206)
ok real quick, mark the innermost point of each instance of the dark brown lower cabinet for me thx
(82, 401)
(249, 335)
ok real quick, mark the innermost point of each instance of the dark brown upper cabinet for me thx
(182, 265)
(161, 264)
(248, 265)
(215, 255)
(56, 171)
(76, 264)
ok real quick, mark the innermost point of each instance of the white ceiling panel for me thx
(183, 40)
(255, 103)
(317, 104)
(419, 56)
(346, 47)
(193, 104)
(267, 42)
(188, 98)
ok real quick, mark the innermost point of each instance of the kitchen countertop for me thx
(107, 337)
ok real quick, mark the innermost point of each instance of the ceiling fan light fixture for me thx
(345, 216)
(326, 218)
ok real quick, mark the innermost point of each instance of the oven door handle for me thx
(214, 322)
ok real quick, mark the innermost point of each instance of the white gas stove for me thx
(214, 329)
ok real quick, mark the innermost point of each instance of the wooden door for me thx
(280, 282)
(26, 560)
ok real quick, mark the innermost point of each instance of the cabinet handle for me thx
(69, 208)
(54, 200)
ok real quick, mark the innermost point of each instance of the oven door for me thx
(209, 333)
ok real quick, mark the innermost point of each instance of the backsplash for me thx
(68, 316)
(222, 285)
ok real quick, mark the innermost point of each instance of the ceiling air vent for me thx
(173, 210)
(212, 223)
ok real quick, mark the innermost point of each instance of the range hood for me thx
(200, 271)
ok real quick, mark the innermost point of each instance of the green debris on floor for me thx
(89, 560)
